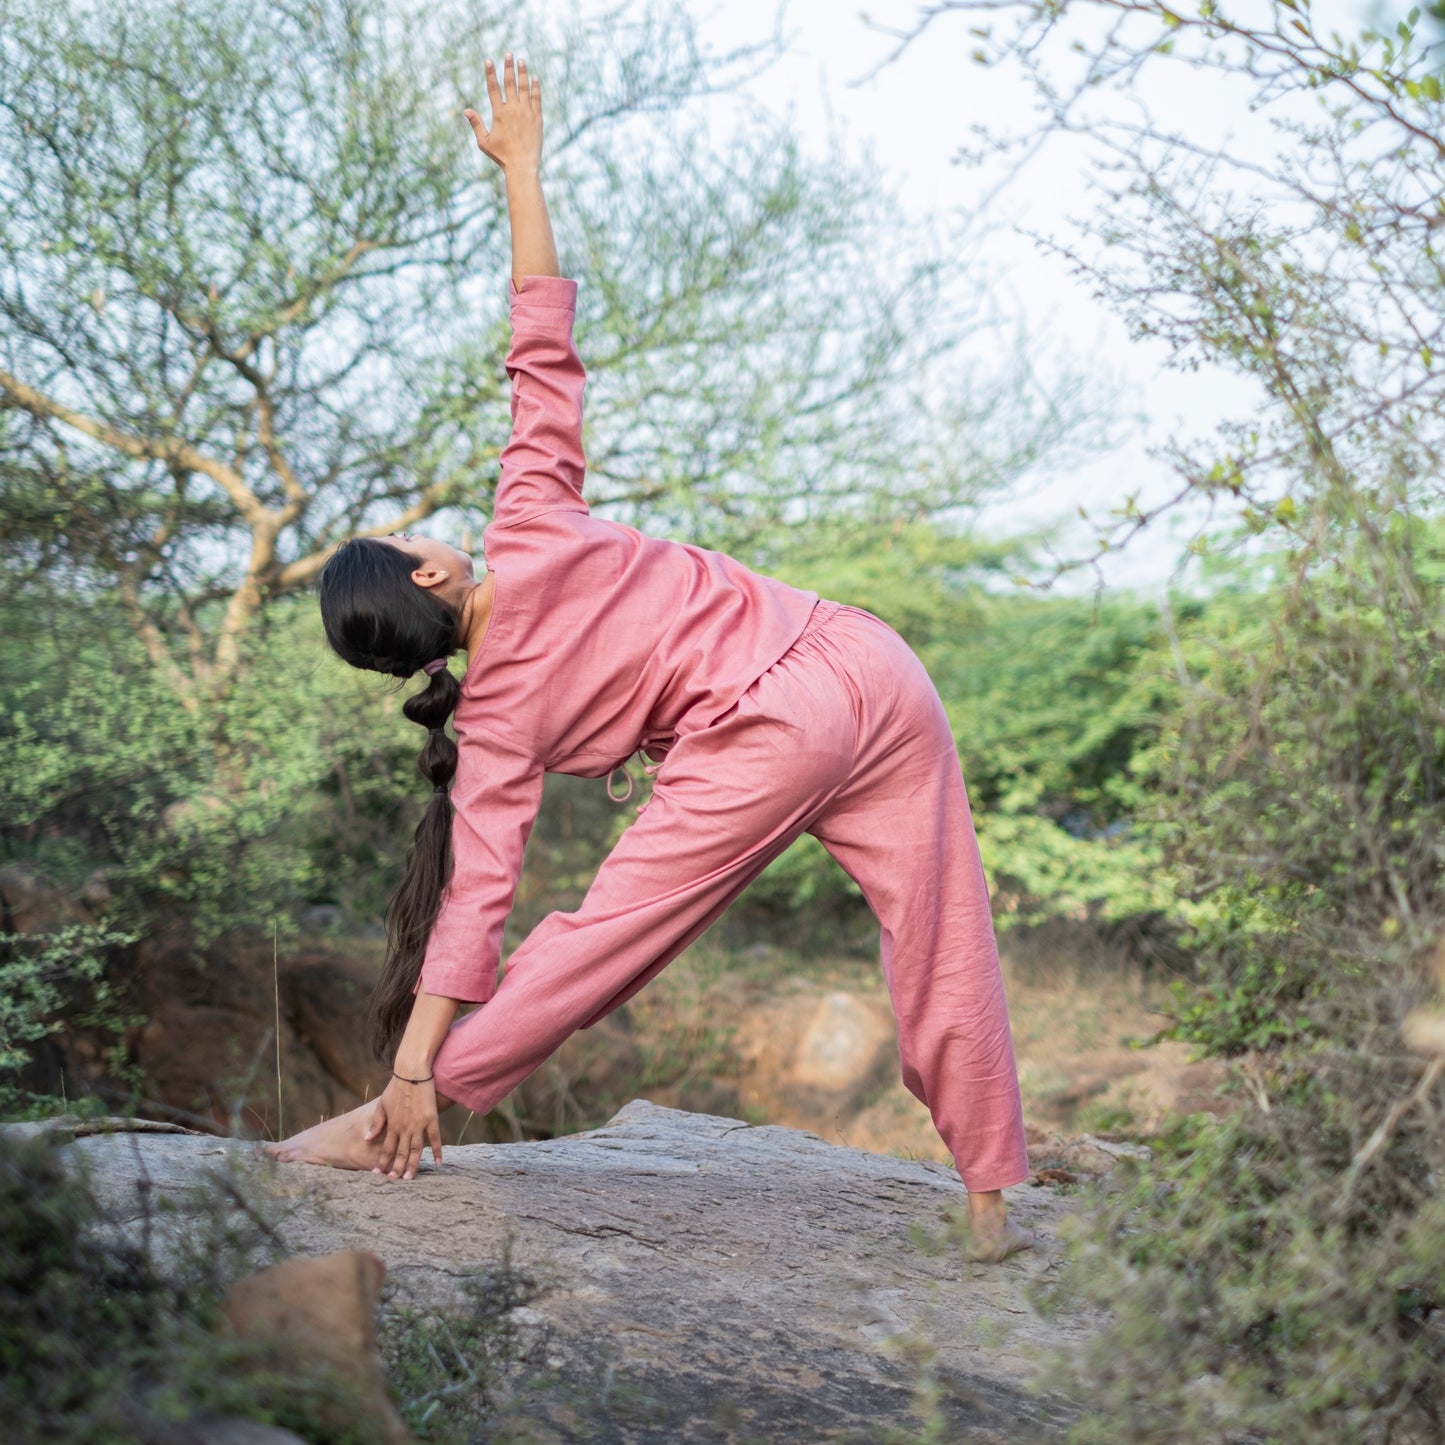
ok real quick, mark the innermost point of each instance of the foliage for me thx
(311, 795)
(111, 1335)
(49, 981)
(1292, 1306)
(110, 782)
(1309, 806)
(1282, 1272)
(1278, 1275)
(233, 331)
(236, 331)
(1056, 703)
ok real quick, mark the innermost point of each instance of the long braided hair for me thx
(377, 618)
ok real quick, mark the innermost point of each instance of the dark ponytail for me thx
(377, 618)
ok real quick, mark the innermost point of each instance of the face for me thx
(439, 565)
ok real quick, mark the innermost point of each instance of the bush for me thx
(1280, 1275)
(1261, 1287)
(109, 1333)
(51, 981)
(99, 1341)
(1057, 704)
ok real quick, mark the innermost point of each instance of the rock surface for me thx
(704, 1280)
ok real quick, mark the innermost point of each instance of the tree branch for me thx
(1387, 1127)
(156, 649)
(170, 450)
(304, 569)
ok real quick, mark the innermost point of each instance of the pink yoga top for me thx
(601, 641)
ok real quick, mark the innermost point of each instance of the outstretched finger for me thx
(494, 91)
(478, 129)
(413, 1155)
(509, 77)
(536, 91)
(524, 88)
(434, 1137)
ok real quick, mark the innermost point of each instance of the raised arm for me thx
(515, 143)
(542, 465)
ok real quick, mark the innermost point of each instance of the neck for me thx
(476, 614)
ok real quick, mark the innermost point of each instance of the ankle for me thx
(987, 1210)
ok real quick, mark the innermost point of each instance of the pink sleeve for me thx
(495, 797)
(543, 462)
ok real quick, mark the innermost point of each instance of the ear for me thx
(429, 576)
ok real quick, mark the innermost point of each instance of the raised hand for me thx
(514, 140)
(515, 143)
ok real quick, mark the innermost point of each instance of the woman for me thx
(773, 713)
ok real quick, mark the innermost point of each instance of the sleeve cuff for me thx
(554, 292)
(461, 985)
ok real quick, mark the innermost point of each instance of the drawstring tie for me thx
(649, 769)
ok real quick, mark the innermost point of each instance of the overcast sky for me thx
(913, 114)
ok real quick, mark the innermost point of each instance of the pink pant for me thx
(845, 738)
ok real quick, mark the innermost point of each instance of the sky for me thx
(912, 114)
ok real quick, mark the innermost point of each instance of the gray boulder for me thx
(703, 1279)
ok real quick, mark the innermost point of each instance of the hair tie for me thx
(440, 788)
(435, 666)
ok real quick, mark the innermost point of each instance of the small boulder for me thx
(848, 1042)
(324, 1312)
(813, 1061)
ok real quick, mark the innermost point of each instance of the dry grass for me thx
(725, 1028)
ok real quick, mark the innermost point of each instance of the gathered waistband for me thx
(822, 614)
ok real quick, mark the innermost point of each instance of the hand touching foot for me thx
(340, 1142)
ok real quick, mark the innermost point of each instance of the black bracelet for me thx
(405, 1080)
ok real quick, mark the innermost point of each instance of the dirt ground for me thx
(813, 1047)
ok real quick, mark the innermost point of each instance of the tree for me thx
(251, 286)
(1310, 263)
(1278, 1275)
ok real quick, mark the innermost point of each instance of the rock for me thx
(209, 1048)
(32, 903)
(847, 1043)
(816, 1061)
(322, 918)
(703, 1279)
(325, 998)
(323, 1312)
(1424, 1031)
(95, 892)
(1086, 1154)
(62, 1128)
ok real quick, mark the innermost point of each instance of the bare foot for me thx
(339, 1142)
(991, 1235)
(990, 1248)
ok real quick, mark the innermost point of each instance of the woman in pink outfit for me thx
(773, 714)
